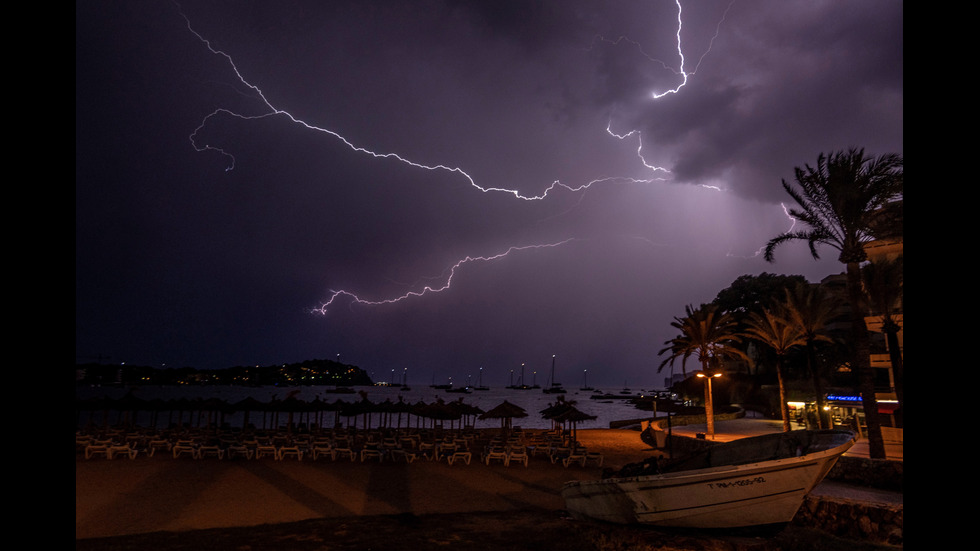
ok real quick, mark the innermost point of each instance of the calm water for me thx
(532, 401)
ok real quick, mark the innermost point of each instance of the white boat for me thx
(747, 482)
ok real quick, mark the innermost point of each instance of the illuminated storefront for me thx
(843, 409)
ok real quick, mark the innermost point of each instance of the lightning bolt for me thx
(268, 109)
(335, 295)
(272, 111)
(680, 51)
(679, 71)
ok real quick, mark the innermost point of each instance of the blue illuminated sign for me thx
(837, 398)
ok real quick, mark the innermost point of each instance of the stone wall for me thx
(851, 519)
(875, 473)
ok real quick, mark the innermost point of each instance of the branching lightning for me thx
(268, 109)
(430, 289)
(272, 111)
(680, 51)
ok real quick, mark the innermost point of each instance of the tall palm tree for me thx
(773, 329)
(810, 308)
(837, 201)
(709, 334)
(883, 283)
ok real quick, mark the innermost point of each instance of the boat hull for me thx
(751, 494)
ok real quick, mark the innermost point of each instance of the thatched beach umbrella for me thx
(466, 410)
(215, 409)
(338, 407)
(128, 407)
(316, 407)
(272, 407)
(574, 416)
(178, 405)
(293, 406)
(247, 405)
(418, 410)
(362, 407)
(506, 412)
(400, 407)
(441, 411)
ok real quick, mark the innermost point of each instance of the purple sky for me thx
(209, 228)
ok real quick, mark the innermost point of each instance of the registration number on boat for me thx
(737, 483)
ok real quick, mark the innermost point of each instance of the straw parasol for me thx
(440, 411)
(574, 416)
(465, 410)
(506, 412)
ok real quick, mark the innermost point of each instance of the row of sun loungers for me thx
(395, 446)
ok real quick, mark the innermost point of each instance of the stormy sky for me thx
(432, 187)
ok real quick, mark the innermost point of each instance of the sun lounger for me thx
(371, 453)
(343, 453)
(427, 450)
(520, 456)
(124, 450)
(266, 449)
(158, 444)
(322, 449)
(559, 455)
(210, 451)
(496, 454)
(239, 450)
(96, 449)
(576, 456)
(184, 449)
(464, 456)
(401, 453)
(292, 451)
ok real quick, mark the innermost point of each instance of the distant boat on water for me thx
(479, 382)
(555, 387)
(585, 380)
(441, 387)
(520, 382)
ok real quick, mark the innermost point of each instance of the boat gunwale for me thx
(725, 471)
(627, 497)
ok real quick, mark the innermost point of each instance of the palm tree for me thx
(883, 282)
(773, 329)
(838, 200)
(810, 308)
(709, 334)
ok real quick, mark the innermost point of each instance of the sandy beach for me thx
(165, 503)
(160, 493)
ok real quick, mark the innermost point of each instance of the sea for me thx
(613, 406)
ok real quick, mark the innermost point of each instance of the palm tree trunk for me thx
(895, 354)
(709, 406)
(862, 362)
(822, 418)
(783, 406)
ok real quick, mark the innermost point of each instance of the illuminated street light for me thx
(709, 408)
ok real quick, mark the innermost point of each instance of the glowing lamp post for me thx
(709, 408)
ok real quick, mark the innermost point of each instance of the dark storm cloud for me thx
(780, 79)
(183, 262)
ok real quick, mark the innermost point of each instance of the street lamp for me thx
(709, 408)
